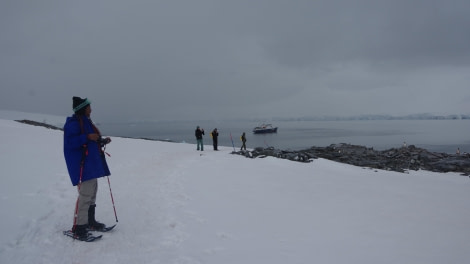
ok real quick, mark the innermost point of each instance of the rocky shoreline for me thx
(395, 159)
(35, 123)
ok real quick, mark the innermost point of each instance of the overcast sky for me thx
(217, 59)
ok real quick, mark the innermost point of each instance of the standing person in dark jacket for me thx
(214, 135)
(85, 163)
(243, 139)
(199, 132)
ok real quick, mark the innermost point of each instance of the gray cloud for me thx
(229, 59)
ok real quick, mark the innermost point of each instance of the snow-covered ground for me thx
(177, 205)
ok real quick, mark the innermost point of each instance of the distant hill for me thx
(377, 117)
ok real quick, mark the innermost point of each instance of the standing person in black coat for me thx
(199, 132)
(243, 139)
(214, 135)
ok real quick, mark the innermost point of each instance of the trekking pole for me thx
(75, 215)
(109, 183)
(266, 144)
(82, 164)
(232, 142)
(112, 199)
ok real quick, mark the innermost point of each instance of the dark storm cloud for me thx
(402, 32)
(226, 59)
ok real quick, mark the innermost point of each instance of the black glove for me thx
(103, 141)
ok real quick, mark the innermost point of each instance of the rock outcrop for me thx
(395, 159)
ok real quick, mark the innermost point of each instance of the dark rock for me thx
(35, 123)
(395, 159)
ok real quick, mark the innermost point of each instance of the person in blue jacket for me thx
(86, 162)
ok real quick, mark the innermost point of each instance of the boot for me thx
(92, 223)
(80, 232)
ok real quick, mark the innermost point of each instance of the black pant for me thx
(215, 144)
(243, 146)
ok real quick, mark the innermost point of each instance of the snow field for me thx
(175, 205)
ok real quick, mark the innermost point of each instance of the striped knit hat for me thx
(79, 103)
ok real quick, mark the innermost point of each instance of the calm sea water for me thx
(434, 135)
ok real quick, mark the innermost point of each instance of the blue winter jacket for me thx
(76, 144)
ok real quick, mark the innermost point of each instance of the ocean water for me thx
(434, 135)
